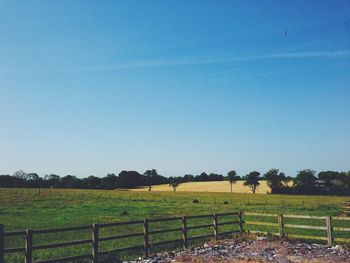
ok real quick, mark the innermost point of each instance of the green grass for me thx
(24, 209)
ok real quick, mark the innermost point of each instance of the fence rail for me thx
(328, 226)
(29, 247)
(235, 217)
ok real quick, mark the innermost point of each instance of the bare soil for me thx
(259, 250)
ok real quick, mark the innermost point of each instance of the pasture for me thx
(216, 186)
(25, 208)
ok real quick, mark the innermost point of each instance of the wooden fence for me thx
(29, 247)
(282, 226)
(237, 217)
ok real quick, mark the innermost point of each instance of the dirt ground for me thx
(259, 250)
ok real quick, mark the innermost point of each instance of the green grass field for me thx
(25, 209)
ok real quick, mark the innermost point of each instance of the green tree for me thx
(305, 179)
(151, 176)
(252, 180)
(20, 174)
(174, 182)
(53, 180)
(32, 176)
(275, 180)
(232, 178)
(347, 182)
(110, 181)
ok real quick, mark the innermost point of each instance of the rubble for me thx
(257, 250)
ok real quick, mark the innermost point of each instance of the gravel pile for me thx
(259, 250)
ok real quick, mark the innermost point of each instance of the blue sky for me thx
(93, 87)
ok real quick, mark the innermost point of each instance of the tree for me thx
(188, 178)
(53, 180)
(252, 181)
(110, 181)
(174, 182)
(232, 178)
(151, 176)
(20, 174)
(131, 179)
(275, 180)
(92, 182)
(329, 178)
(215, 177)
(34, 180)
(11, 181)
(203, 177)
(305, 179)
(32, 176)
(70, 181)
(346, 179)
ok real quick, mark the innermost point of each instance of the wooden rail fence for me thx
(282, 232)
(239, 219)
(29, 247)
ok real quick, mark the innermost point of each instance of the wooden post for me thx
(240, 219)
(184, 232)
(281, 225)
(329, 230)
(95, 230)
(215, 224)
(28, 246)
(2, 243)
(145, 238)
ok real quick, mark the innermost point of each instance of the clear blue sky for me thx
(93, 87)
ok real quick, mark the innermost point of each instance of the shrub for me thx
(195, 201)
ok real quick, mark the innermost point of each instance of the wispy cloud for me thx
(193, 77)
(307, 54)
(215, 60)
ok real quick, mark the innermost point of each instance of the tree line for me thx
(305, 182)
(124, 180)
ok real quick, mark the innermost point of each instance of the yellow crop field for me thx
(216, 186)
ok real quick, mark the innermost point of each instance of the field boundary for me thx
(282, 233)
(238, 220)
(29, 247)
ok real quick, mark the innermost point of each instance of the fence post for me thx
(281, 225)
(95, 230)
(184, 232)
(215, 224)
(145, 237)
(28, 246)
(240, 219)
(329, 230)
(2, 243)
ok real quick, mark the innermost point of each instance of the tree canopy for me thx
(305, 182)
(174, 182)
(232, 177)
(275, 180)
(252, 180)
